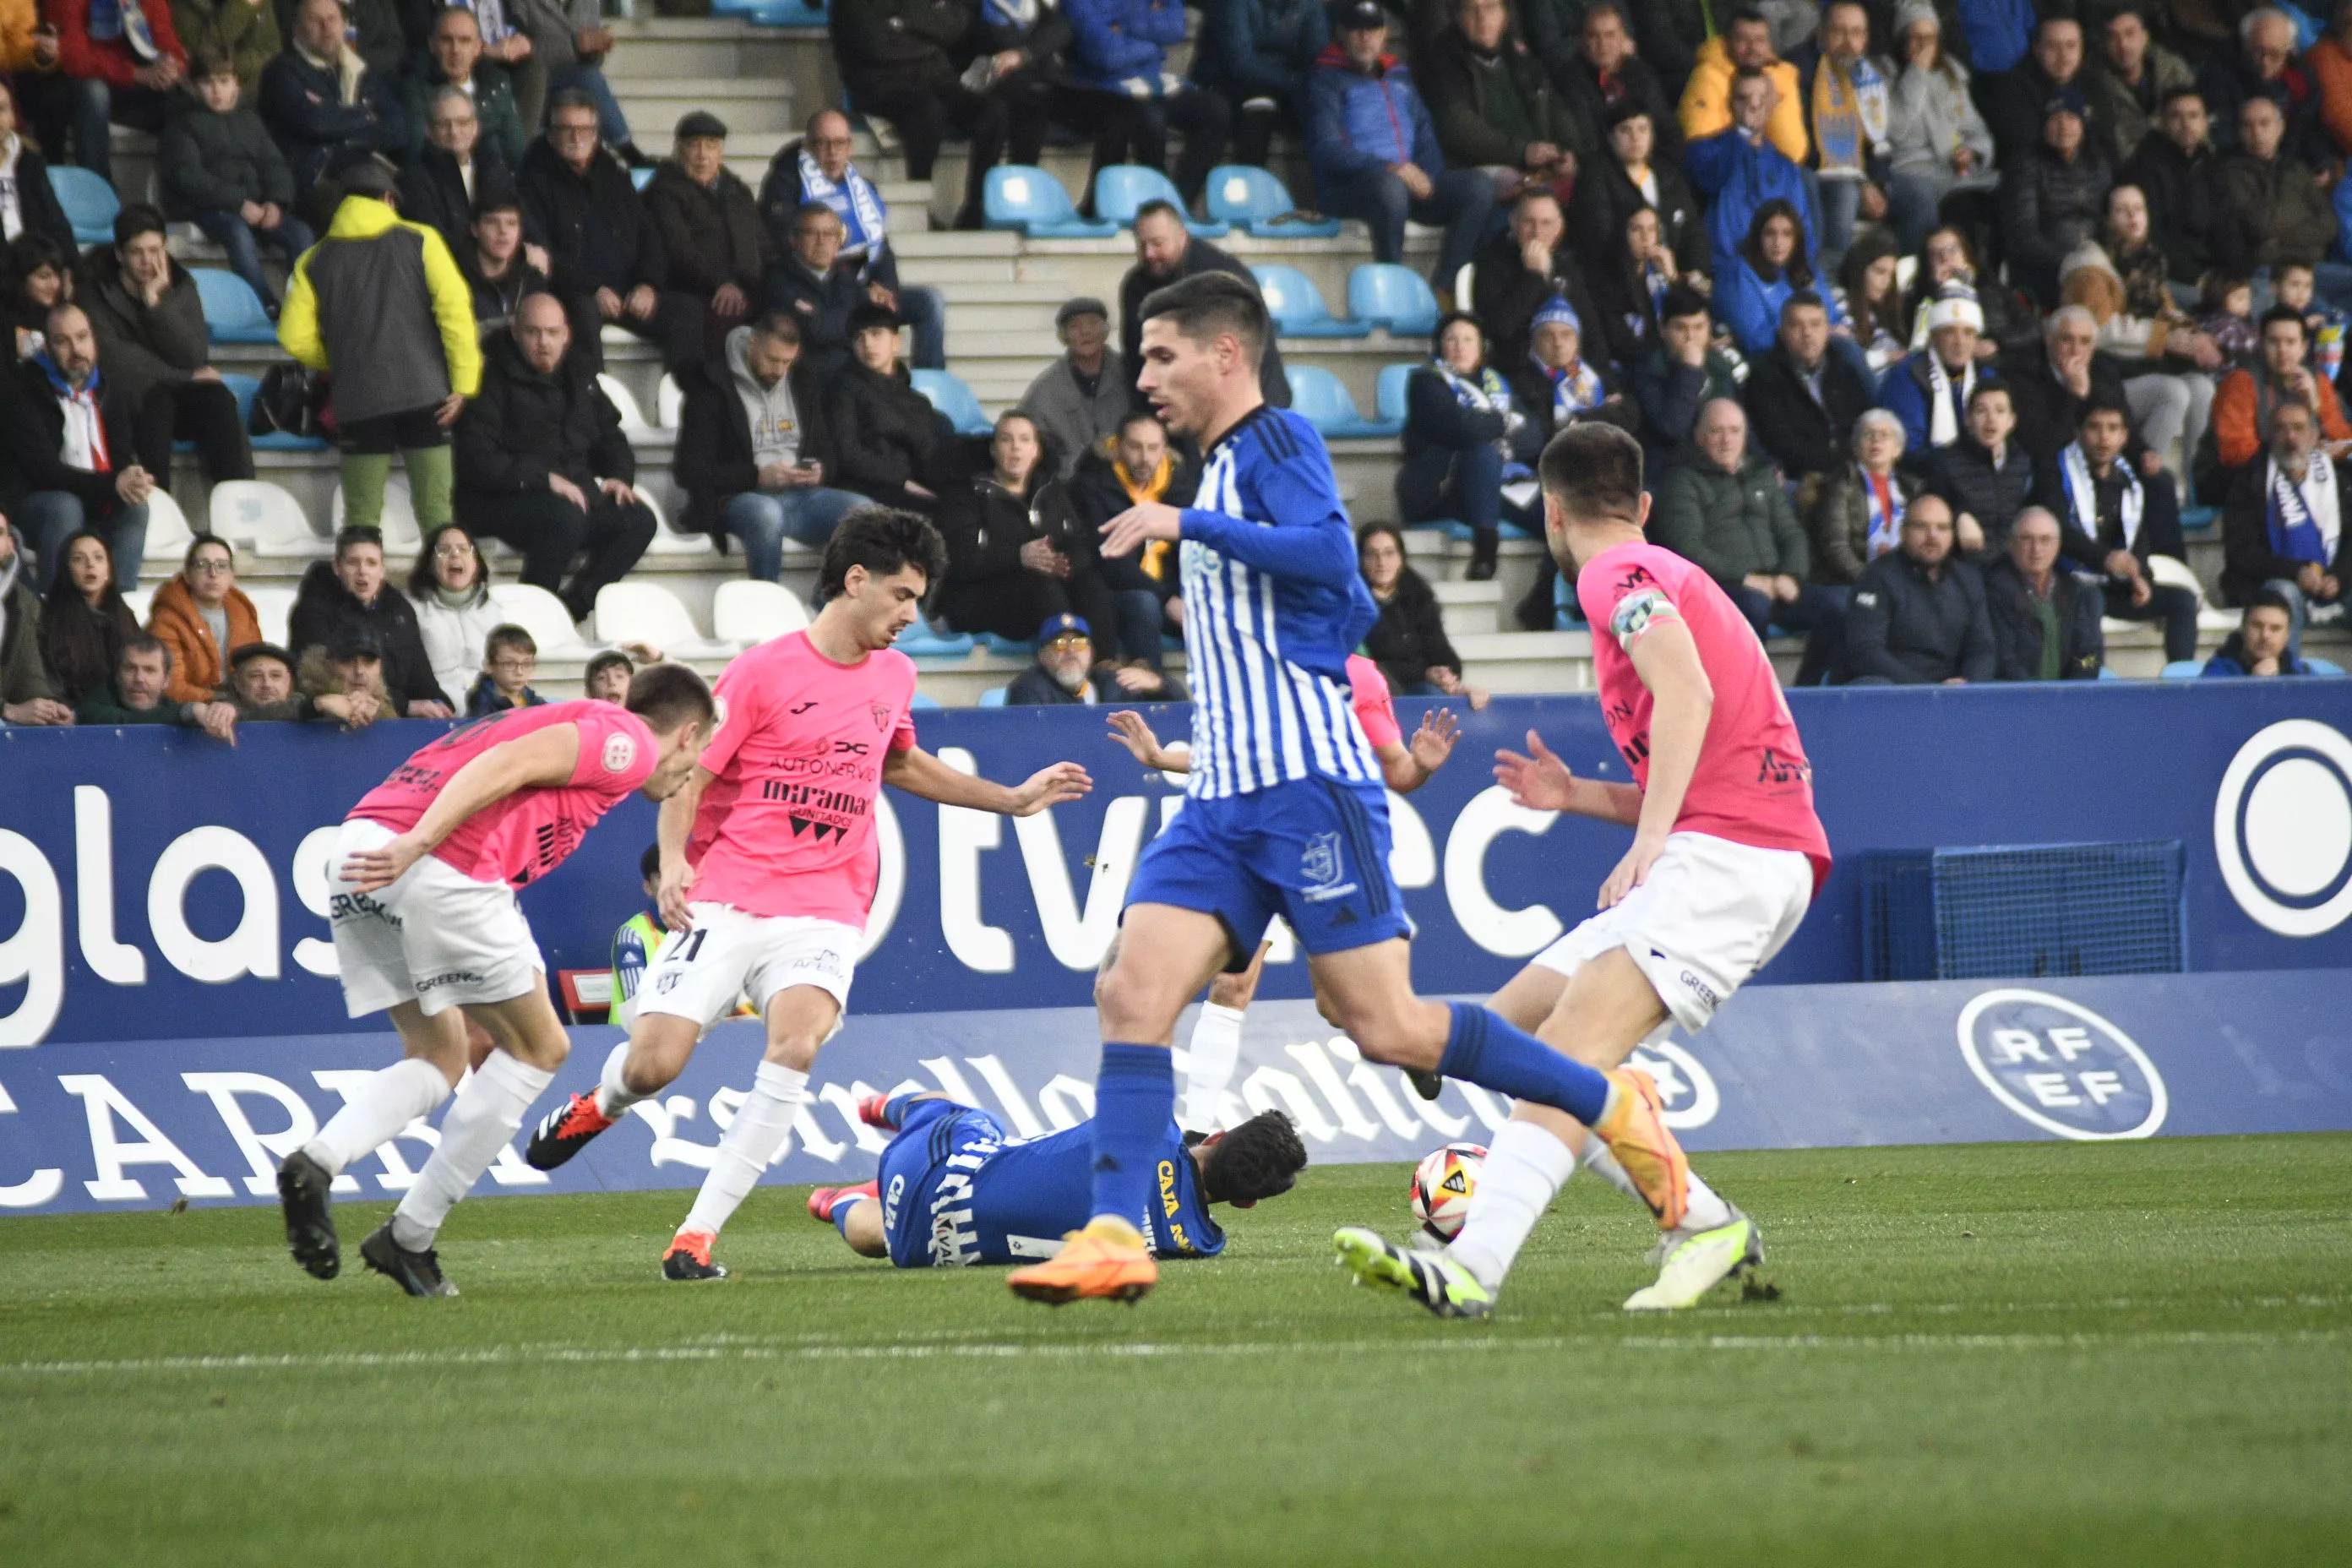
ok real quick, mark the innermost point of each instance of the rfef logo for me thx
(2060, 1066)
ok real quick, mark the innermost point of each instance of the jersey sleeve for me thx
(738, 716)
(1374, 709)
(902, 737)
(617, 751)
(1627, 601)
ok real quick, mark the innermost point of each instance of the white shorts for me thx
(436, 937)
(729, 952)
(1711, 914)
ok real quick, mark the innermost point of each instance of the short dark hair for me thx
(667, 696)
(883, 539)
(1743, 13)
(809, 212)
(649, 863)
(1595, 470)
(1140, 416)
(210, 60)
(136, 219)
(508, 635)
(2102, 402)
(1259, 1159)
(1158, 207)
(145, 642)
(198, 541)
(604, 661)
(29, 252)
(1208, 304)
(1681, 301)
(357, 534)
(1748, 73)
(495, 196)
(2267, 599)
(1453, 318)
(570, 98)
(1805, 297)
(2286, 313)
(423, 580)
(781, 325)
(2166, 99)
(1985, 388)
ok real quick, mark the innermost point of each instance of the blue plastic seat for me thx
(90, 203)
(2324, 666)
(2197, 519)
(2184, 669)
(641, 178)
(1383, 294)
(1259, 203)
(2107, 672)
(919, 703)
(1022, 648)
(1023, 197)
(233, 311)
(773, 12)
(243, 387)
(1122, 188)
(993, 696)
(952, 397)
(1389, 398)
(1323, 400)
(1298, 307)
(920, 641)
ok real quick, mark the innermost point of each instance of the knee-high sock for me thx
(1526, 1167)
(761, 1130)
(1487, 1050)
(488, 1111)
(1216, 1050)
(1134, 1097)
(1705, 1210)
(613, 1096)
(395, 1097)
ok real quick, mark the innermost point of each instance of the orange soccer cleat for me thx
(1636, 1133)
(1106, 1261)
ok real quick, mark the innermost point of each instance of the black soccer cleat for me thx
(303, 1185)
(565, 1131)
(419, 1273)
(689, 1258)
(1426, 1084)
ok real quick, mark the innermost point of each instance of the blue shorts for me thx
(1314, 851)
(933, 1131)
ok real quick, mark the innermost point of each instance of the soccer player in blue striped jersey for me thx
(1285, 811)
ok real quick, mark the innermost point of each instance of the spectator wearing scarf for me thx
(2283, 531)
(1135, 465)
(1459, 421)
(1859, 515)
(77, 438)
(817, 167)
(1847, 103)
(1558, 383)
(2112, 520)
(1929, 388)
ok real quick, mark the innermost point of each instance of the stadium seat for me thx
(1021, 648)
(244, 388)
(140, 601)
(994, 696)
(264, 519)
(2184, 668)
(1023, 197)
(2107, 672)
(668, 540)
(919, 703)
(641, 178)
(233, 311)
(649, 612)
(749, 611)
(920, 641)
(273, 607)
(1122, 188)
(669, 401)
(91, 203)
(952, 397)
(168, 535)
(1384, 294)
(1259, 203)
(773, 12)
(1298, 307)
(540, 613)
(1389, 398)
(625, 402)
(400, 534)
(1324, 399)
(2198, 519)
(2324, 666)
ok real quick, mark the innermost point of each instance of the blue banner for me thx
(146, 1123)
(158, 885)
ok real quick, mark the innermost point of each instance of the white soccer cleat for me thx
(1695, 1262)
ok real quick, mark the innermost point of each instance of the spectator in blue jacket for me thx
(1769, 265)
(1999, 32)
(1255, 54)
(1739, 170)
(2259, 645)
(1120, 50)
(1929, 388)
(1375, 153)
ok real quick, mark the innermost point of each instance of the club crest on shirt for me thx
(882, 712)
(620, 752)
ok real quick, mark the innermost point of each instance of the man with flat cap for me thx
(1079, 399)
(710, 226)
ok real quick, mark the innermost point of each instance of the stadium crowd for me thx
(1934, 319)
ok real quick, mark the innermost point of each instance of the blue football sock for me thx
(841, 1208)
(895, 1109)
(1135, 1099)
(1486, 1049)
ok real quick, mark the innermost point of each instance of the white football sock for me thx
(1703, 1211)
(613, 1096)
(1216, 1050)
(395, 1097)
(485, 1117)
(1526, 1167)
(1597, 1160)
(761, 1130)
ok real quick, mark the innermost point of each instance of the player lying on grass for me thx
(1215, 1049)
(1286, 812)
(425, 923)
(953, 1190)
(1727, 856)
(769, 860)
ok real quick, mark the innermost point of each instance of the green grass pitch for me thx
(2029, 1354)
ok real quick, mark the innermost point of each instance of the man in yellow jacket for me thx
(380, 302)
(1746, 41)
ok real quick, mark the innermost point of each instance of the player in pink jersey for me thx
(1727, 856)
(425, 924)
(1215, 1048)
(769, 859)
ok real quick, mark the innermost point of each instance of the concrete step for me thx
(1469, 608)
(713, 48)
(748, 105)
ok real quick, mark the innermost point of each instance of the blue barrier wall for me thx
(158, 885)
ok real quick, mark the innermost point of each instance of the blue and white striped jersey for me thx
(1274, 605)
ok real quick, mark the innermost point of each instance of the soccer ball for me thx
(1441, 1185)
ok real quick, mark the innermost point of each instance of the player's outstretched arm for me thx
(672, 830)
(1130, 730)
(543, 758)
(1408, 767)
(919, 772)
(1542, 782)
(1683, 700)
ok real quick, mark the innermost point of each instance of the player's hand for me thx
(372, 870)
(1539, 781)
(1126, 533)
(670, 897)
(1050, 787)
(1433, 741)
(1632, 871)
(1130, 730)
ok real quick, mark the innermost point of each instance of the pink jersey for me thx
(787, 826)
(530, 832)
(1369, 689)
(1753, 784)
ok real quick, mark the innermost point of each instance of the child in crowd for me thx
(220, 171)
(2295, 285)
(38, 279)
(2225, 312)
(510, 658)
